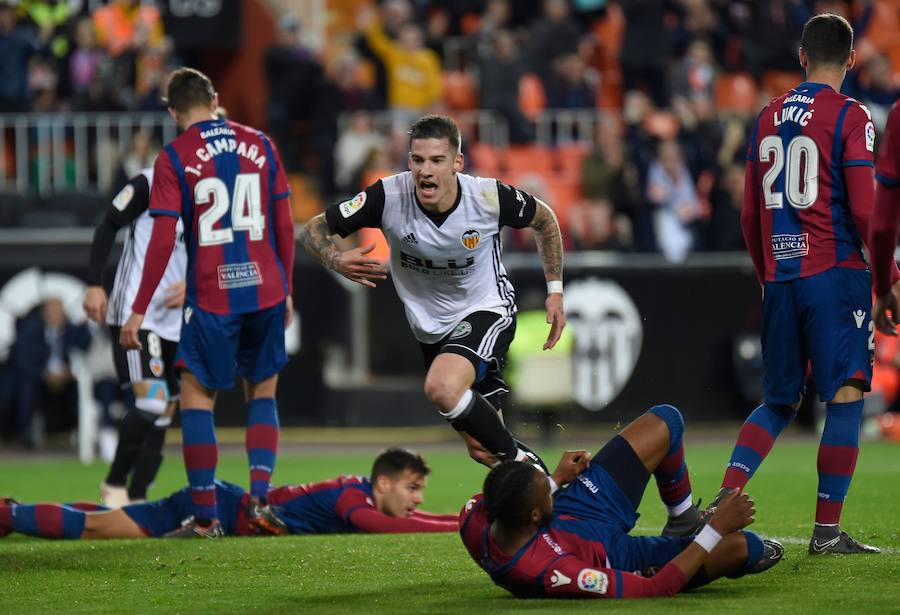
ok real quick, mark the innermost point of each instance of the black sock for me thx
(132, 430)
(147, 463)
(479, 419)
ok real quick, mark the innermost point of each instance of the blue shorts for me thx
(824, 319)
(595, 507)
(213, 345)
(162, 516)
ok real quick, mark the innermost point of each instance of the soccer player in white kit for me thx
(149, 372)
(443, 228)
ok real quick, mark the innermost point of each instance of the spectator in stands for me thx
(141, 154)
(353, 150)
(437, 29)
(17, 46)
(294, 76)
(552, 36)
(699, 133)
(771, 44)
(671, 190)
(611, 181)
(873, 85)
(695, 74)
(646, 48)
(724, 230)
(41, 364)
(86, 59)
(500, 68)
(43, 81)
(571, 85)
(413, 71)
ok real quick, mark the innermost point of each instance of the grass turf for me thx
(433, 573)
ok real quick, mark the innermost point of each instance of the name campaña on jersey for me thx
(219, 146)
(430, 267)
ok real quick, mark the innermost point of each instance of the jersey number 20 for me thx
(246, 210)
(801, 179)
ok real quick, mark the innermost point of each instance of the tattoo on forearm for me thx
(317, 243)
(549, 241)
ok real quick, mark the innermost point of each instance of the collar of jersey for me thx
(813, 85)
(439, 218)
(203, 125)
(487, 560)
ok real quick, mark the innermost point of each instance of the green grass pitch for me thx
(433, 574)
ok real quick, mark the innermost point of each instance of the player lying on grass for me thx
(575, 542)
(386, 503)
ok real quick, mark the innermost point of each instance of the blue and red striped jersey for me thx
(797, 196)
(225, 180)
(562, 559)
(886, 214)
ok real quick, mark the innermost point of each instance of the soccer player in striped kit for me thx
(808, 197)
(885, 221)
(226, 183)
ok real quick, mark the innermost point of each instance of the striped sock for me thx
(838, 452)
(754, 442)
(261, 442)
(671, 474)
(42, 520)
(198, 433)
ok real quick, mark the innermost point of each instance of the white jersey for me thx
(444, 266)
(165, 322)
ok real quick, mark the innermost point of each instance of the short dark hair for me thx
(394, 461)
(189, 88)
(436, 127)
(827, 39)
(509, 493)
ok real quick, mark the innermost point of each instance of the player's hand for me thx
(570, 466)
(175, 295)
(357, 267)
(129, 336)
(890, 302)
(734, 512)
(95, 301)
(556, 318)
(288, 311)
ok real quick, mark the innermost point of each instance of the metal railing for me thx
(48, 153)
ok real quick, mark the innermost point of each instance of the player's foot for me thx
(837, 541)
(113, 496)
(6, 501)
(263, 519)
(685, 524)
(191, 528)
(772, 554)
(526, 454)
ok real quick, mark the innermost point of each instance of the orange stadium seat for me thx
(368, 236)
(884, 31)
(532, 99)
(736, 92)
(777, 82)
(486, 159)
(662, 124)
(569, 158)
(529, 159)
(459, 91)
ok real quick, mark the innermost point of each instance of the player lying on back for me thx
(884, 225)
(384, 503)
(576, 543)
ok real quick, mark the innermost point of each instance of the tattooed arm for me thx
(549, 244)
(352, 264)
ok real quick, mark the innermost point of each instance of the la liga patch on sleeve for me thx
(348, 208)
(870, 136)
(124, 197)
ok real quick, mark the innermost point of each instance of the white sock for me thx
(676, 510)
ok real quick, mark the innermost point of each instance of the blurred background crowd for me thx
(630, 117)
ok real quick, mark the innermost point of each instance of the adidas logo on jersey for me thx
(411, 238)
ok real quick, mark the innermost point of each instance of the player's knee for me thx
(673, 419)
(848, 393)
(442, 393)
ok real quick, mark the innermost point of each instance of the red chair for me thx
(486, 159)
(736, 92)
(459, 91)
(532, 99)
(529, 159)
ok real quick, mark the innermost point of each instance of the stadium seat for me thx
(486, 159)
(529, 159)
(777, 82)
(532, 99)
(368, 236)
(459, 90)
(736, 92)
(569, 158)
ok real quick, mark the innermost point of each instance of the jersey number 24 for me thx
(246, 209)
(801, 165)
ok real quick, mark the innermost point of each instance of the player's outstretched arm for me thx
(352, 264)
(550, 247)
